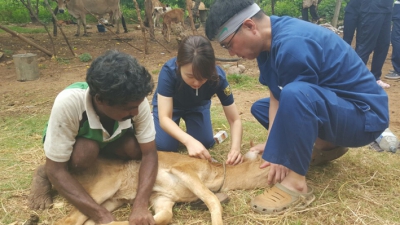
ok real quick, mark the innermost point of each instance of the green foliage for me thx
(293, 8)
(326, 9)
(62, 60)
(85, 57)
(8, 52)
(13, 11)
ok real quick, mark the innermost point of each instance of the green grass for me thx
(244, 82)
(155, 72)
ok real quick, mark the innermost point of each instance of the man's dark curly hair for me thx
(221, 11)
(117, 78)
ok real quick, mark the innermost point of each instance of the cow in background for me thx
(158, 9)
(157, 13)
(173, 16)
(79, 9)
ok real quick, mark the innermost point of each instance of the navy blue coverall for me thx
(351, 13)
(373, 33)
(395, 37)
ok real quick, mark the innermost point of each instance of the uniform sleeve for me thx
(297, 62)
(166, 81)
(224, 91)
(63, 127)
(143, 123)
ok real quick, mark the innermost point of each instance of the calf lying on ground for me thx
(173, 16)
(180, 179)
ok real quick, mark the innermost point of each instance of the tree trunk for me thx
(272, 7)
(189, 9)
(195, 11)
(148, 8)
(15, 34)
(146, 48)
(336, 14)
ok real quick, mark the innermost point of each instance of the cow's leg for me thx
(78, 30)
(191, 180)
(169, 33)
(84, 25)
(118, 20)
(163, 210)
(124, 24)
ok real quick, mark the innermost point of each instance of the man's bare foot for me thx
(40, 197)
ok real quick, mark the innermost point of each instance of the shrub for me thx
(85, 57)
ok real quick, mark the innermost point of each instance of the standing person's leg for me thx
(304, 14)
(381, 49)
(395, 38)
(198, 125)
(314, 14)
(164, 141)
(367, 36)
(350, 25)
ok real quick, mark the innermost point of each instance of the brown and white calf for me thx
(180, 179)
(157, 13)
(173, 16)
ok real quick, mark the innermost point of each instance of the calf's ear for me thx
(251, 156)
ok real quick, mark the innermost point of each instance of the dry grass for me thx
(363, 187)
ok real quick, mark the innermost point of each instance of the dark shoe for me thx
(392, 76)
(200, 205)
(320, 157)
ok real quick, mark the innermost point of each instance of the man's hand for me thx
(197, 149)
(141, 216)
(234, 157)
(276, 172)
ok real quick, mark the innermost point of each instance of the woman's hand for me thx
(234, 157)
(196, 149)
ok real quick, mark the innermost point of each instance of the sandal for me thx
(320, 157)
(279, 199)
(200, 205)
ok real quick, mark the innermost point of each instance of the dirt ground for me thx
(55, 74)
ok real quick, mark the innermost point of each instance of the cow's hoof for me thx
(85, 35)
(76, 35)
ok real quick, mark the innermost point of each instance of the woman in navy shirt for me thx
(186, 85)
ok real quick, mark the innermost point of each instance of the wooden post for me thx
(189, 9)
(148, 9)
(15, 34)
(146, 48)
(62, 32)
(336, 14)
